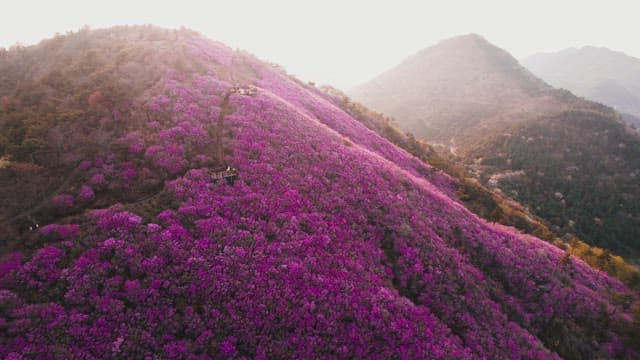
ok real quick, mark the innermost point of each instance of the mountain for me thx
(596, 73)
(167, 197)
(572, 161)
(458, 87)
(631, 120)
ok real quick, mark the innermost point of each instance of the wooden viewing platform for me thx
(229, 174)
(246, 90)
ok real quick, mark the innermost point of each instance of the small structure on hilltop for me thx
(246, 90)
(229, 174)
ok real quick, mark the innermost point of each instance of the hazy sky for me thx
(344, 43)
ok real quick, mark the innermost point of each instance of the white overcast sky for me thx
(342, 42)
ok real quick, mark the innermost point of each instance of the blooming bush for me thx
(98, 180)
(86, 194)
(62, 202)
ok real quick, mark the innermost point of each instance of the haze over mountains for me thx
(167, 197)
(572, 161)
(596, 73)
(456, 88)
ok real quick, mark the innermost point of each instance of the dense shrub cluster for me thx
(322, 248)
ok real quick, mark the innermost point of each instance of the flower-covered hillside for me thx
(489, 204)
(327, 242)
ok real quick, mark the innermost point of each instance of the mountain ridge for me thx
(598, 73)
(461, 60)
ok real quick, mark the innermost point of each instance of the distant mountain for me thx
(475, 101)
(456, 88)
(596, 73)
(634, 121)
(164, 196)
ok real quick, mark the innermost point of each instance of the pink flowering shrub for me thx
(65, 232)
(62, 202)
(134, 141)
(98, 180)
(85, 165)
(318, 250)
(128, 172)
(86, 194)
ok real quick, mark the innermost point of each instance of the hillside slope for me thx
(489, 203)
(329, 242)
(597, 73)
(466, 96)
